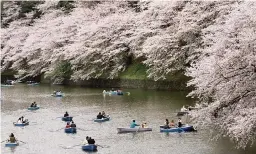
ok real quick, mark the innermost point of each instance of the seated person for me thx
(144, 125)
(35, 105)
(12, 138)
(99, 116)
(172, 124)
(179, 123)
(72, 124)
(133, 124)
(32, 105)
(19, 121)
(66, 114)
(90, 140)
(68, 125)
(166, 126)
(104, 114)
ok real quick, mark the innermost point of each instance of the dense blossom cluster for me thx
(214, 42)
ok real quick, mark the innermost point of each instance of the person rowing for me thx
(133, 124)
(21, 120)
(90, 140)
(100, 116)
(66, 114)
(12, 138)
(73, 124)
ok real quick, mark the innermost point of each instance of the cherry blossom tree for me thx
(225, 75)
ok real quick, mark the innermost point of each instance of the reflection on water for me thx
(45, 134)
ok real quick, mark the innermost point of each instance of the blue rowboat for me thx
(33, 108)
(89, 147)
(102, 120)
(9, 144)
(70, 130)
(178, 129)
(67, 118)
(33, 84)
(21, 124)
(54, 95)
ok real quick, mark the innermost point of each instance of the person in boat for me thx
(172, 124)
(68, 125)
(35, 105)
(58, 92)
(179, 123)
(103, 114)
(144, 125)
(19, 121)
(66, 114)
(22, 119)
(90, 140)
(166, 126)
(12, 138)
(32, 105)
(73, 124)
(99, 116)
(133, 124)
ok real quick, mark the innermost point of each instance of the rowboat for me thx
(127, 130)
(33, 108)
(9, 144)
(33, 84)
(89, 147)
(21, 124)
(114, 92)
(102, 120)
(186, 128)
(67, 118)
(181, 113)
(70, 130)
(59, 95)
(6, 85)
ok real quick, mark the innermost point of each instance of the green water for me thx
(45, 133)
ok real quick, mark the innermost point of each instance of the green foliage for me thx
(134, 71)
(63, 69)
(66, 6)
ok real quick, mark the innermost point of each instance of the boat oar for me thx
(4, 141)
(56, 130)
(21, 141)
(102, 146)
(81, 129)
